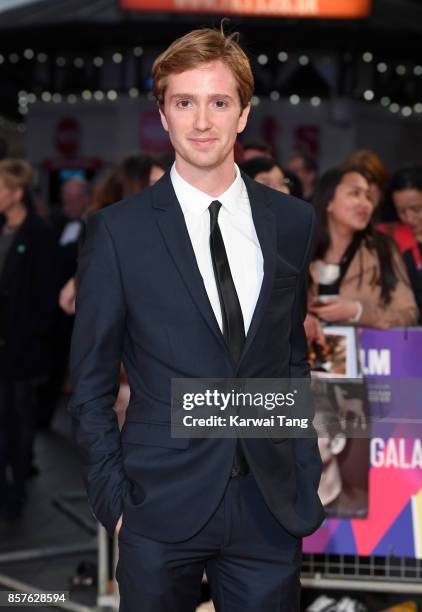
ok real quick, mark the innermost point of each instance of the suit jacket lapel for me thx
(175, 234)
(266, 229)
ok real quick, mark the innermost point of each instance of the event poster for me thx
(385, 513)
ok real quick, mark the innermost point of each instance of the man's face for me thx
(203, 116)
(75, 199)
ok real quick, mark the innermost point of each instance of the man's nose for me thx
(202, 120)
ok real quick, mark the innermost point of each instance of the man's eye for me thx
(220, 103)
(183, 103)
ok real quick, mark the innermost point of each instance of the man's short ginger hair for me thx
(202, 47)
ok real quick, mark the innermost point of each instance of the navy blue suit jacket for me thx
(141, 299)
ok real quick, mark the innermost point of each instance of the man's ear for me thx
(243, 119)
(163, 119)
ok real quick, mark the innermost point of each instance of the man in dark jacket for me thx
(201, 276)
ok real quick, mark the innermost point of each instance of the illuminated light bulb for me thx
(368, 95)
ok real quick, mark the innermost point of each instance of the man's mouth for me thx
(202, 141)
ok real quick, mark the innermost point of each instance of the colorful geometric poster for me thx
(392, 364)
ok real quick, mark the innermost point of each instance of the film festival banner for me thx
(342, 9)
(372, 478)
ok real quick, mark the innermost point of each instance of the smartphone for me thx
(321, 300)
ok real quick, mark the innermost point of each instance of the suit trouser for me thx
(252, 562)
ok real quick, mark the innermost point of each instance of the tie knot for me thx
(214, 209)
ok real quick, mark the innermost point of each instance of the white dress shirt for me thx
(239, 236)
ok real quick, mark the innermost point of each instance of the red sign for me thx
(68, 133)
(341, 9)
(153, 136)
(306, 139)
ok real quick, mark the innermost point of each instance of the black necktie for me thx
(233, 327)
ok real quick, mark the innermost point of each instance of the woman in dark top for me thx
(28, 293)
(403, 212)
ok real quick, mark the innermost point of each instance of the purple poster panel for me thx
(390, 523)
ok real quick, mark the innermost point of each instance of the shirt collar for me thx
(197, 202)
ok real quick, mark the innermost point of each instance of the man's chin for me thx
(205, 159)
(205, 162)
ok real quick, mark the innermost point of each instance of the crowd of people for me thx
(366, 270)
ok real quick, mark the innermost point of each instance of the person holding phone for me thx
(357, 274)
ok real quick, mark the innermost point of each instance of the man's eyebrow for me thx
(221, 95)
(184, 96)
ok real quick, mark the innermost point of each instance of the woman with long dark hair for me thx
(358, 275)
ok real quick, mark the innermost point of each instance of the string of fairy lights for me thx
(61, 61)
(25, 98)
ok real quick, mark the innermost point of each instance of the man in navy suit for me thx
(202, 275)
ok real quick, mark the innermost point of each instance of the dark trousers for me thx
(16, 439)
(251, 562)
(50, 392)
